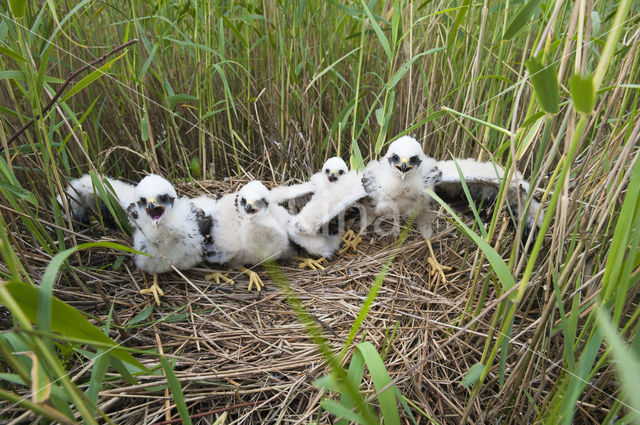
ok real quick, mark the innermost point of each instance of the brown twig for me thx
(66, 84)
(212, 412)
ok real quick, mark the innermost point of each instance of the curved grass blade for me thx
(498, 264)
(64, 319)
(176, 390)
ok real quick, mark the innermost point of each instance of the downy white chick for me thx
(396, 188)
(249, 229)
(170, 229)
(319, 227)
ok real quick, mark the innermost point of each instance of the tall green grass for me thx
(274, 88)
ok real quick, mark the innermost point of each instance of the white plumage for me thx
(170, 229)
(84, 198)
(396, 184)
(320, 224)
(396, 188)
(249, 229)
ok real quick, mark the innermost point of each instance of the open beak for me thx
(333, 176)
(250, 209)
(404, 167)
(155, 212)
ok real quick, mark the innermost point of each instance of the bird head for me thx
(252, 200)
(405, 154)
(334, 168)
(155, 195)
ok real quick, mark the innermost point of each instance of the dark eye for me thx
(414, 160)
(326, 171)
(243, 202)
(142, 201)
(341, 172)
(163, 198)
(395, 158)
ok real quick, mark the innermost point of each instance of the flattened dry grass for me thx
(245, 353)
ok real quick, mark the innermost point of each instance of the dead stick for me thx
(68, 82)
(211, 412)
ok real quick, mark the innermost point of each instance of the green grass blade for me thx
(64, 319)
(341, 411)
(93, 76)
(472, 375)
(497, 263)
(176, 390)
(626, 363)
(583, 93)
(378, 31)
(544, 79)
(380, 378)
(520, 20)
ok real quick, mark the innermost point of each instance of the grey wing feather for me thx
(483, 179)
(293, 197)
(282, 194)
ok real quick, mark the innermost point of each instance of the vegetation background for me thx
(216, 92)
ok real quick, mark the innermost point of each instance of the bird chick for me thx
(249, 229)
(396, 187)
(169, 229)
(320, 226)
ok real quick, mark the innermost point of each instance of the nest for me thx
(245, 355)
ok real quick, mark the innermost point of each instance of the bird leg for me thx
(155, 290)
(436, 267)
(351, 241)
(219, 276)
(311, 263)
(254, 279)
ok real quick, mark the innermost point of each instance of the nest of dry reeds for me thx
(245, 355)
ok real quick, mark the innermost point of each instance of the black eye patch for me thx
(142, 202)
(394, 159)
(326, 171)
(341, 172)
(243, 202)
(163, 198)
(414, 161)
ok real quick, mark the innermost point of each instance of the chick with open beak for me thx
(335, 168)
(396, 186)
(167, 228)
(156, 207)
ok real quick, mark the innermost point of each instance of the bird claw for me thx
(254, 279)
(155, 290)
(351, 241)
(219, 276)
(438, 268)
(311, 263)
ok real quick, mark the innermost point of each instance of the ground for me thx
(245, 353)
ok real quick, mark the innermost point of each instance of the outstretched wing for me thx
(293, 197)
(483, 179)
(329, 208)
(85, 199)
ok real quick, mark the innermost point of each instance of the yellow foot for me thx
(155, 290)
(311, 263)
(436, 267)
(254, 279)
(219, 276)
(351, 241)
